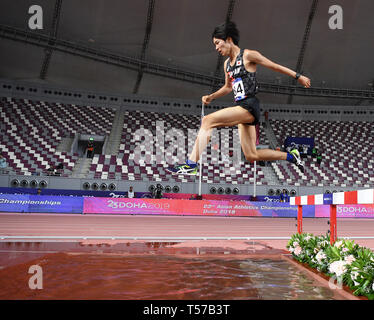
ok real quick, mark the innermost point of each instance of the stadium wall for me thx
(143, 186)
(49, 93)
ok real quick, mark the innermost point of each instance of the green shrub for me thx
(345, 260)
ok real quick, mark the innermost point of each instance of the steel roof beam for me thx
(53, 34)
(135, 64)
(304, 44)
(147, 36)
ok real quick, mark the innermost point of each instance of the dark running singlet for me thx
(244, 83)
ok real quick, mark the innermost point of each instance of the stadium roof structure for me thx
(164, 47)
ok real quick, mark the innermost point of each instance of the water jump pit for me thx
(157, 270)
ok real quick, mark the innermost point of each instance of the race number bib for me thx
(238, 89)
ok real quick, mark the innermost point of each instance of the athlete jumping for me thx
(240, 78)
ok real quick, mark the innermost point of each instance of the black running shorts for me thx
(252, 104)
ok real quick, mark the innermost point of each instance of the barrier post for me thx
(333, 231)
(299, 219)
(365, 196)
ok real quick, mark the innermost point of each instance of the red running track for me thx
(29, 224)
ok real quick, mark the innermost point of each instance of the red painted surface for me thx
(311, 199)
(350, 197)
(170, 226)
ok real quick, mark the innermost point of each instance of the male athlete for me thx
(240, 78)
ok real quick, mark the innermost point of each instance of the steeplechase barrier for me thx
(365, 196)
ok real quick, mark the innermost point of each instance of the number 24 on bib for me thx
(238, 88)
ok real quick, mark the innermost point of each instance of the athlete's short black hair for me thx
(225, 30)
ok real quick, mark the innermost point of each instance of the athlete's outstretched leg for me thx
(247, 135)
(227, 117)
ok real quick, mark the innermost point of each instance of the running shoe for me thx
(296, 154)
(183, 169)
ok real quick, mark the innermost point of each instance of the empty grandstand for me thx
(38, 134)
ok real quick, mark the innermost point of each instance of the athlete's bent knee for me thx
(206, 123)
(251, 157)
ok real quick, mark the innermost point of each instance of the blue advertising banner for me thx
(35, 203)
(327, 198)
(17, 191)
(84, 193)
(120, 194)
(309, 211)
(14, 203)
(307, 144)
(93, 205)
(63, 192)
(276, 209)
(268, 198)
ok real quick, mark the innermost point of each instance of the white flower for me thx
(345, 249)
(291, 249)
(320, 256)
(338, 244)
(338, 267)
(354, 275)
(324, 243)
(349, 259)
(373, 286)
(297, 250)
(295, 244)
(307, 238)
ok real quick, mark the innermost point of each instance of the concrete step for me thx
(65, 144)
(114, 138)
(270, 175)
(273, 141)
(82, 168)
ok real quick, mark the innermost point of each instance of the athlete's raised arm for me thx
(224, 90)
(258, 58)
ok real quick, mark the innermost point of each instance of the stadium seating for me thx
(31, 132)
(140, 155)
(346, 147)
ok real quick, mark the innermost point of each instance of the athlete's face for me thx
(222, 46)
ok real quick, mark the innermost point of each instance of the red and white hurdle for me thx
(350, 197)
